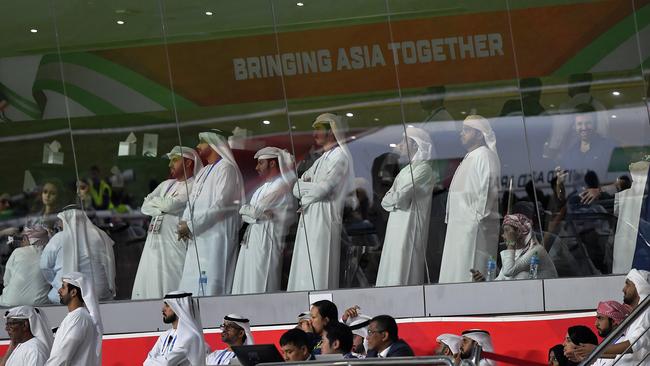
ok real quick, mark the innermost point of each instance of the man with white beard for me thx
(269, 214)
(163, 256)
(472, 205)
(211, 221)
(409, 204)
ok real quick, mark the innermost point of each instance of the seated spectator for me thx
(322, 313)
(448, 345)
(473, 337)
(634, 346)
(235, 331)
(24, 283)
(337, 338)
(304, 323)
(359, 329)
(521, 246)
(383, 340)
(295, 346)
(609, 315)
(576, 336)
(556, 357)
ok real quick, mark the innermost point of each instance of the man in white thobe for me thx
(211, 220)
(235, 331)
(448, 345)
(183, 344)
(269, 214)
(30, 335)
(409, 204)
(163, 256)
(635, 349)
(322, 191)
(80, 247)
(24, 283)
(473, 337)
(78, 341)
(472, 205)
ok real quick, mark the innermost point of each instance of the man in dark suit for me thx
(383, 340)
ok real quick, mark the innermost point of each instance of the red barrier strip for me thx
(510, 360)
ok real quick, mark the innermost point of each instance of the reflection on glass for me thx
(322, 191)
(409, 203)
(269, 214)
(211, 220)
(163, 256)
(473, 204)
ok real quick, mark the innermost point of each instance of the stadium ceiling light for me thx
(392, 145)
(349, 114)
(120, 22)
(353, 137)
(614, 116)
(300, 4)
(463, 112)
(208, 13)
(376, 119)
(616, 93)
(266, 122)
(34, 30)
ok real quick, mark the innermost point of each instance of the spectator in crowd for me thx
(323, 313)
(304, 322)
(211, 220)
(51, 199)
(609, 315)
(295, 346)
(30, 337)
(433, 103)
(269, 214)
(576, 336)
(358, 323)
(83, 247)
(163, 256)
(448, 345)
(383, 340)
(235, 331)
(337, 338)
(100, 191)
(634, 347)
(521, 246)
(23, 280)
(6, 212)
(183, 344)
(473, 337)
(531, 93)
(409, 204)
(472, 204)
(322, 191)
(78, 339)
(556, 356)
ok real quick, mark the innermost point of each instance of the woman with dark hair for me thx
(556, 356)
(49, 202)
(577, 335)
(323, 313)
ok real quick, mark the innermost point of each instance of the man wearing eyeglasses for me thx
(383, 340)
(235, 331)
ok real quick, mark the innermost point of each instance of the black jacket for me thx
(398, 349)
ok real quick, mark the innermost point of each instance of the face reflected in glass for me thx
(263, 167)
(509, 233)
(48, 194)
(177, 167)
(469, 136)
(584, 124)
(321, 133)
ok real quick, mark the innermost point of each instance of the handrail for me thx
(420, 360)
(638, 311)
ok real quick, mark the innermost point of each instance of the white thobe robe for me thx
(402, 257)
(472, 216)
(638, 332)
(164, 353)
(322, 189)
(628, 204)
(220, 357)
(90, 265)
(516, 264)
(215, 199)
(163, 256)
(75, 342)
(32, 353)
(23, 280)
(259, 265)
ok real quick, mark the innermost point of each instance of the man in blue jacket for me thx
(383, 340)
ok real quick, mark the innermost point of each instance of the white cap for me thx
(286, 162)
(641, 280)
(452, 341)
(480, 336)
(480, 123)
(187, 153)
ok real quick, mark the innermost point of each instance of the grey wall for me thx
(494, 298)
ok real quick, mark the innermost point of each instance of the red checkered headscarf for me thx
(613, 310)
(521, 223)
